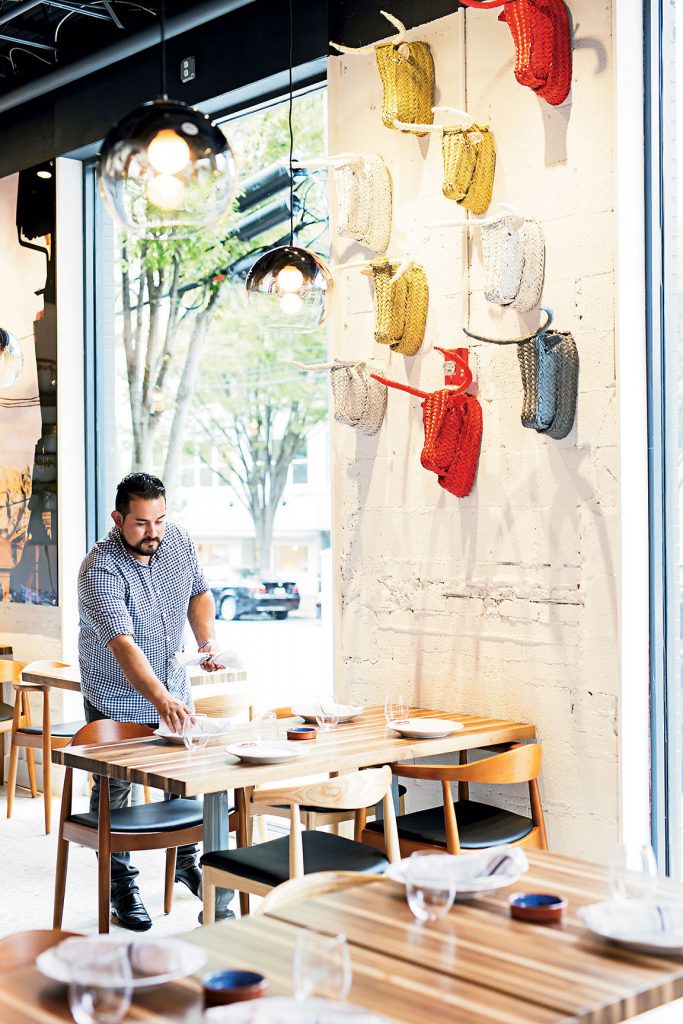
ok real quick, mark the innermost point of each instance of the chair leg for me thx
(31, 765)
(104, 859)
(262, 828)
(12, 777)
(171, 855)
(148, 800)
(47, 782)
(60, 881)
(208, 900)
(244, 904)
(2, 759)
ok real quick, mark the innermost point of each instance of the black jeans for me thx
(123, 873)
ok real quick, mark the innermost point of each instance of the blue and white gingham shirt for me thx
(117, 595)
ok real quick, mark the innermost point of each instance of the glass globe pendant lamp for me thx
(11, 359)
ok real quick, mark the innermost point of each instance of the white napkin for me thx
(650, 921)
(157, 957)
(205, 726)
(231, 659)
(330, 706)
(502, 860)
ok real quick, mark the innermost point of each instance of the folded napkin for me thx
(231, 659)
(165, 957)
(203, 726)
(649, 921)
(468, 868)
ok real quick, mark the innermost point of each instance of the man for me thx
(136, 587)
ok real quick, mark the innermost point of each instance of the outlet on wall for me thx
(187, 69)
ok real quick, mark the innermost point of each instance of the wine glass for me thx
(264, 726)
(326, 715)
(322, 966)
(395, 708)
(633, 871)
(100, 986)
(430, 886)
(195, 732)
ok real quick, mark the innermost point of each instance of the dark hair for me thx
(138, 485)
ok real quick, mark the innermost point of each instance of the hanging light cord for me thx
(291, 130)
(162, 25)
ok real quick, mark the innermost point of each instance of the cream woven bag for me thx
(514, 262)
(364, 201)
(359, 400)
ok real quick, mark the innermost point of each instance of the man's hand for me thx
(208, 665)
(173, 712)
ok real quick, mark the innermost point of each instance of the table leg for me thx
(216, 832)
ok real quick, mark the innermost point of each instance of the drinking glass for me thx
(326, 715)
(395, 708)
(430, 886)
(194, 732)
(100, 987)
(633, 871)
(264, 726)
(322, 966)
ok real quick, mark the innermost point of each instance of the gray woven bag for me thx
(359, 400)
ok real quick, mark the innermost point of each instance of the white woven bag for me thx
(364, 198)
(514, 263)
(531, 285)
(359, 399)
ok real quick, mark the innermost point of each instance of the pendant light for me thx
(11, 359)
(289, 287)
(165, 170)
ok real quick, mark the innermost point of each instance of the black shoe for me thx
(191, 877)
(129, 911)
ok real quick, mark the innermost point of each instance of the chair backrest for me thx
(22, 948)
(318, 883)
(10, 671)
(104, 730)
(346, 792)
(223, 705)
(521, 764)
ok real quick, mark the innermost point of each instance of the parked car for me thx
(237, 597)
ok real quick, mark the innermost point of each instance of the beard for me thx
(145, 547)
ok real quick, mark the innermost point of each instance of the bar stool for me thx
(10, 672)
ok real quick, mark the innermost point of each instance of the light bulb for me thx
(290, 279)
(166, 192)
(168, 152)
(291, 303)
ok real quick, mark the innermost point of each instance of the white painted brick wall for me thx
(503, 603)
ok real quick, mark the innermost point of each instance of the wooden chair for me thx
(320, 883)
(41, 737)
(468, 824)
(21, 948)
(164, 825)
(10, 672)
(258, 869)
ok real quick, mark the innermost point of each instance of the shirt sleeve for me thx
(103, 599)
(200, 584)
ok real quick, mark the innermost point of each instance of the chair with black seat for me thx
(467, 824)
(258, 869)
(10, 672)
(41, 737)
(163, 825)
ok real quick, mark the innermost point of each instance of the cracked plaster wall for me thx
(503, 603)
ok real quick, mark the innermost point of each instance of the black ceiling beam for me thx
(27, 42)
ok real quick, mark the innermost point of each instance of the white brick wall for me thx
(503, 603)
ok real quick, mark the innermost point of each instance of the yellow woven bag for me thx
(401, 306)
(407, 73)
(468, 167)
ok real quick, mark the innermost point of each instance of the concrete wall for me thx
(503, 603)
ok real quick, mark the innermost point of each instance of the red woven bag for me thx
(452, 424)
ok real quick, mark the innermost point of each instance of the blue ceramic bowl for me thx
(224, 987)
(538, 907)
(301, 732)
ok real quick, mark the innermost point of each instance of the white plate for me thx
(426, 728)
(181, 959)
(650, 942)
(215, 738)
(465, 890)
(265, 751)
(347, 712)
(284, 1010)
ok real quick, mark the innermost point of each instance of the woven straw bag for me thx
(364, 201)
(407, 73)
(514, 262)
(401, 306)
(468, 166)
(541, 32)
(359, 400)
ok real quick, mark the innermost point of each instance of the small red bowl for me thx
(537, 907)
(302, 732)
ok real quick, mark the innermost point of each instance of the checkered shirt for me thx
(119, 595)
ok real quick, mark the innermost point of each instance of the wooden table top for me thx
(358, 744)
(69, 677)
(477, 966)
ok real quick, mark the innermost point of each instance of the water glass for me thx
(326, 715)
(195, 733)
(430, 886)
(395, 708)
(322, 966)
(264, 726)
(100, 989)
(633, 872)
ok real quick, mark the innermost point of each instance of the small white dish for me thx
(286, 1010)
(347, 712)
(652, 927)
(265, 751)
(216, 739)
(466, 888)
(425, 728)
(153, 962)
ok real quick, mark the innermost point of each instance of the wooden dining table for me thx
(212, 772)
(475, 966)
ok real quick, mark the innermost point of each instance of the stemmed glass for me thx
(430, 886)
(100, 987)
(195, 733)
(326, 715)
(633, 871)
(395, 708)
(322, 966)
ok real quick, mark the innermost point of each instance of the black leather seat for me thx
(479, 826)
(160, 816)
(268, 863)
(58, 729)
